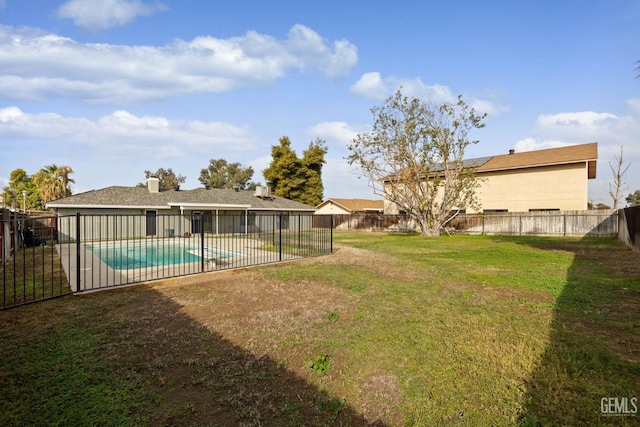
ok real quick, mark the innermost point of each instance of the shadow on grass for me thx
(132, 357)
(594, 349)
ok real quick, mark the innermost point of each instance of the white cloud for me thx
(568, 128)
(532, 144)
(124, 134)
(588, 126)
(306, 48)
(341, 132)
(373, 86)
(99, 15)
(610, 131)
(36, 66)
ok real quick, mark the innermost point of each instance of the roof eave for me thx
(195, 205)
(85, 206)
(538, 165)
(285, 209)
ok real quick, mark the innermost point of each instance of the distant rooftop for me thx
(355, 205)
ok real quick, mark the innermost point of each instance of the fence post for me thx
(520, 224)
(202, 243)
(78, 216)
(280, 238)
(299, 234)
(330, 239)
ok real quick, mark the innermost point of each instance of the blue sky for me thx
(116, 87)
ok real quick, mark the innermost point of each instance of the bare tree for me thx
(618, 185)
(413, 157)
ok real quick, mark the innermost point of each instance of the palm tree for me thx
(53, 182)
(64, 173)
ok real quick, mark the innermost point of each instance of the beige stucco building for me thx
(349, 206)
(541, 180)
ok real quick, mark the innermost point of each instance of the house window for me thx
(151, 223)
(196, 222)
(544, 210)
(283, 218)
(494, 211)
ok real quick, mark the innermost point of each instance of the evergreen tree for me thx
(294, 178)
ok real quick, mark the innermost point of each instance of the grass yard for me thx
(388, 330)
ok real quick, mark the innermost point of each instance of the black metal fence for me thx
(59, 255)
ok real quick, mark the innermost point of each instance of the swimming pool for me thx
(130, 255)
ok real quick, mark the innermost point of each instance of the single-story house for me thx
(168, 213)
(349, 206)
(540, 180)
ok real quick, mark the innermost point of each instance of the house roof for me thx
(466, 163)
(355, 205)
(200, 198)
(552, 156)
(583, 153)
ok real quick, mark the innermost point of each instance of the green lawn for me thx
(32, 274)
(398, 329)
(507, 330)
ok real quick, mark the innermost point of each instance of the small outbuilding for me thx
(349, 206)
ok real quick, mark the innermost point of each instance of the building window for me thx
(151, 223)
(251, 219)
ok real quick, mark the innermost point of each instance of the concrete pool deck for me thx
(95, 274)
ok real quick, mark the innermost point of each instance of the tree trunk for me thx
(425, 230)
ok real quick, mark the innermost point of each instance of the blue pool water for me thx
(131, 255)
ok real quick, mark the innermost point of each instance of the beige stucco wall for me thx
(331, 209)
(562, 187)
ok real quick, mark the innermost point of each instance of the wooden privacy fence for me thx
(371, 222)
(629, 227)
(546, 223)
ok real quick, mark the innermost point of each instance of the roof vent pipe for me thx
(512, 151)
